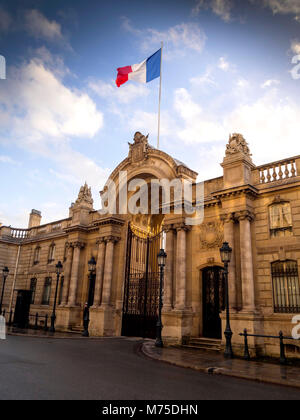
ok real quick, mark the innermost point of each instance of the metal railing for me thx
(32, 317)
(280, 337)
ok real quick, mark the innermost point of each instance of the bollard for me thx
(46, 323)
(86, 321)
(246, 350)
(36, 321)
(283, 359)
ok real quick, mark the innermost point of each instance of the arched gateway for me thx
(144, 230)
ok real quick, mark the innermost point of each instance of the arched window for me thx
(51, 256)
(286, 287)
(280, 220)
(36, 257)
(47, 291)
(33, 289)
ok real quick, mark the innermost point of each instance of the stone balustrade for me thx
(17, 234)
(277, 171)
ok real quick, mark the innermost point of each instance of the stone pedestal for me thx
(177, 326)
(67, 317)
(102, 322)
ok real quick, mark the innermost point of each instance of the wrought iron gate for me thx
(213, 301)
(141, 293)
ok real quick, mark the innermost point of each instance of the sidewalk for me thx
(214, 363)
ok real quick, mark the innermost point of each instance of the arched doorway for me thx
(141, 286)
(213, 301)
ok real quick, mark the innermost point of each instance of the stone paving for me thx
(214, 363)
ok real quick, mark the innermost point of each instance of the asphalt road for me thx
(111, 369)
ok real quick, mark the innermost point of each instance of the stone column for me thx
(99, 272)
(67, 275)
(181, 268)
(168, 286)
(248, 289)
(108, 270)
(74, 273)
(229, 237)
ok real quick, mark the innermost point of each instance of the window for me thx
(47, 291)
(33, 289)
(36, 257)
(286, 288)
(51, 255)
(280, 220)
(61, 290)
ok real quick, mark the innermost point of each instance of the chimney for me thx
(34, 218)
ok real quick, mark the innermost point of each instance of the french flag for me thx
(143, 72)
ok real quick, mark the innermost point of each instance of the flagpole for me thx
(159, 101)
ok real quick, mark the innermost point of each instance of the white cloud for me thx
(221, 8)
(283, 6)
(205, 79)
(177, 38)
(269, 124)
(270, 83)
(40, 27)
(223, 64)
(109, 91)
(198, 127)
(5, 20)
(50, 110)
(147, 122)
(43, 116)
(7, 159)
(242, 83)
(295, 46)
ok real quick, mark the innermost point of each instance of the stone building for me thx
(256, 209)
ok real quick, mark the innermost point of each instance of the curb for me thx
(16, 334)
(219, 371)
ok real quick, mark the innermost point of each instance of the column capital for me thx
(168, 228)
(112, 238)
(227, 218)
(181, 226)
(77, 244)
(100, 241)
(244, 215)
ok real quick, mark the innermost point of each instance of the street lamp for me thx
(161, 259)
(5, 272)
(225, 252)
(86, 312)
(59, 268)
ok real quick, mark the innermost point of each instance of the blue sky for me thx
(226, 68)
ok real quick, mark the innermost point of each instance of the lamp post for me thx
(59, 268)
(5, 272)
(225, 252)
(86, 312)
(161, 259)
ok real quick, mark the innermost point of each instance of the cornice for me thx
(248, 189)
(110, 220)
